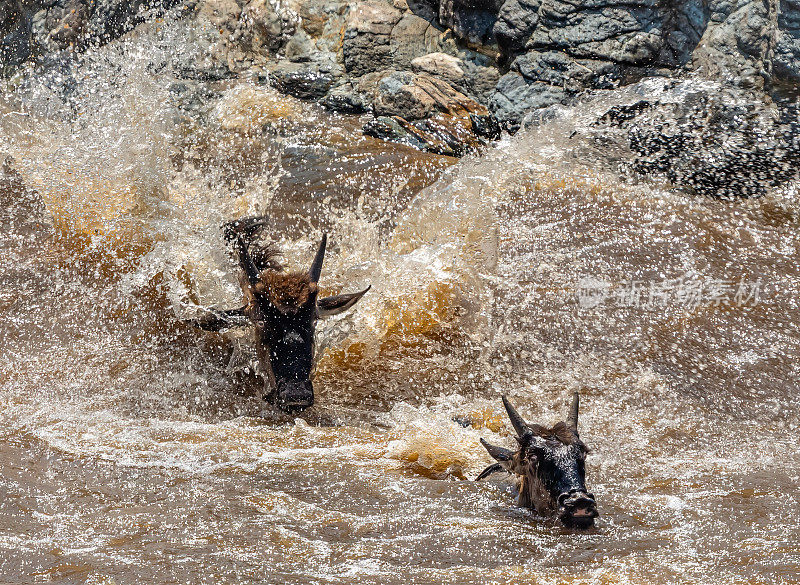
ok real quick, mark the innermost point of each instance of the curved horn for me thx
(246, 261)
(316, 266)
(516, 420)
(572, 417)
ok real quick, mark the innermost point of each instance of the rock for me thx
(428, 113)
(561, 70)
(413, 37)
(682, 29)
(736, 44)
(324, 21)
(485, 126)
(15, 36)
(62, 25)
(394, 129)
(347, 99)
(556, 49)
(427, 9)
(516, 21)
(315, 15)
(440, 65)
(300, 47)
(787, 47)
(428, 68)
(480, 76)
(366, 46)
(417, 96)
(541, 79)
(301, 80)
(436, 135)
(709, 139)
(398, 95)
(259, 32)
(472, 21)
(626, 33)
(515, 96)
(378, 36)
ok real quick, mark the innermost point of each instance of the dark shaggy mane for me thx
(266, 256)
(287, 291)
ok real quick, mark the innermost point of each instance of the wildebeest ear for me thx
(501, 454)
(498, 453)
(329, 306)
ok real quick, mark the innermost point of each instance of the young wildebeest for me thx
(550, 464)
(284, 308)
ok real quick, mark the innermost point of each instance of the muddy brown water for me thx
(134, 449)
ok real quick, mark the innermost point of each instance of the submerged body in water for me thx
(550, 464)
(284, 309)
(134, 450)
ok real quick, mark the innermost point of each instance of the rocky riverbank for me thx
(448, 76)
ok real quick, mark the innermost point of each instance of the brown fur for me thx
(532, 493)
(560, 432)
(288, 291)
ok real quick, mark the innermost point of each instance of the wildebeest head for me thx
(550, 464)
(284, 307)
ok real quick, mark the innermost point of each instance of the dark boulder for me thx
(787, 47)
(704, 138)
(347, 99)
(15, 34)
(309, 81)
(472, 21)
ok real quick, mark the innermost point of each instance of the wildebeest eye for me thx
(533, 453)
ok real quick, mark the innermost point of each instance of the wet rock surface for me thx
(408, 63)
(428, 113)
(705, 138)
(787, 46)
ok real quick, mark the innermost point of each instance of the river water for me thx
(136, 449)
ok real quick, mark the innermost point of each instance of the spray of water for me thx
(120, 174)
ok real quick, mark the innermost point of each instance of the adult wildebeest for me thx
(550, 465)
(284, 308)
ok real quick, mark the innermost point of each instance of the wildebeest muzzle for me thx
(577, 508)
(294, 395)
